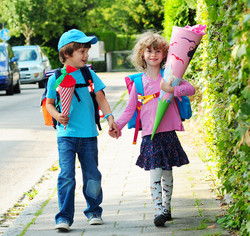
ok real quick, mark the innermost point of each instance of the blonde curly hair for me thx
(147, 40)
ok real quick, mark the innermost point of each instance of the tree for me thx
(126, 17)
(64, 15)
(48, 18)
(148, 14)
(23, 16)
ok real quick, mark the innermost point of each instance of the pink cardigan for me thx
(170, 121)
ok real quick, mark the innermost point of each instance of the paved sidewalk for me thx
(127, 205)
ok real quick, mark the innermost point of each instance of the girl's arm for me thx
(129, 110)
(184, 89)
(104, 105)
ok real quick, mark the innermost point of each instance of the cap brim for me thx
(88, 39)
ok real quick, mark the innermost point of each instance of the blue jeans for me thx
(87, 151)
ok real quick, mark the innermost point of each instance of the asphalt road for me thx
(27, 146)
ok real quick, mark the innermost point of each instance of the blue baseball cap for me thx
(76, 36)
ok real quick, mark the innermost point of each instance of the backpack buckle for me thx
(91, 86)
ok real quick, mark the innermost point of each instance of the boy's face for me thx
(78, 59)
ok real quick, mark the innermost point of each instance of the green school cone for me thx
(161, 109)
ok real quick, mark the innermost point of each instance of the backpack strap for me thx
(147, 98)
(141, 100)
(89, 83)
(162, 72)
(139, 85)
(140, 92)
(57, 75)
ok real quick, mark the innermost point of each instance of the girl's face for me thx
(78, 58)
(153, 57)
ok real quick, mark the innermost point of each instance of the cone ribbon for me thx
(183, 44)
(66, 77)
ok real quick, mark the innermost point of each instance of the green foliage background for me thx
(43, 21)
(178, 13)
(226, 102)
(220, 70)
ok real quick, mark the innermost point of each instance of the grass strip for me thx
(39, 212)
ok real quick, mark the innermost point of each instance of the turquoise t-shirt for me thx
(82, 114)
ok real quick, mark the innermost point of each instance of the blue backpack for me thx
(184, 105)
(184, 108)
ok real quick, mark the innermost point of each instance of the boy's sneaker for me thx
(95, 220)
(62, 225)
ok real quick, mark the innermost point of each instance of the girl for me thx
(164, 151)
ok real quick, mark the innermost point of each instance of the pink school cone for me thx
(183, 44)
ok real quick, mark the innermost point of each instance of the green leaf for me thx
(191, 3)
(241, 51)
(210, 2)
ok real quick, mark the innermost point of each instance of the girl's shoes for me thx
(160, 220)
(167, 217)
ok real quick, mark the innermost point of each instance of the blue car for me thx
(9, 72)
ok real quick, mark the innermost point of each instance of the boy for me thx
(80, 134)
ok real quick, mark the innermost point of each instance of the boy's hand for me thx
(62, 119)
(113, 130)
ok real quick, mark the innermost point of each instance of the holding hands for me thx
(113, 130)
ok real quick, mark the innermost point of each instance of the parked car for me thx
(9, 72)
(32, 62)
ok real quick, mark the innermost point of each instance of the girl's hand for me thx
(166, 86)
(114, 133)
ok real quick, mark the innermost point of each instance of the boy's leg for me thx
(167, 183)
(88, 157)
(66, 180)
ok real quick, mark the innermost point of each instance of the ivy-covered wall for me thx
(220, 69)
(226, 102)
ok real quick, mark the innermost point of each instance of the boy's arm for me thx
(50, 106)
(104, 105)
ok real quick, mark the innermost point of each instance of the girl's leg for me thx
(156, 189)
(167, 184)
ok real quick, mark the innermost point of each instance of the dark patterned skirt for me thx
(164, 151)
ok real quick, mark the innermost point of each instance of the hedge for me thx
(222, 73)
